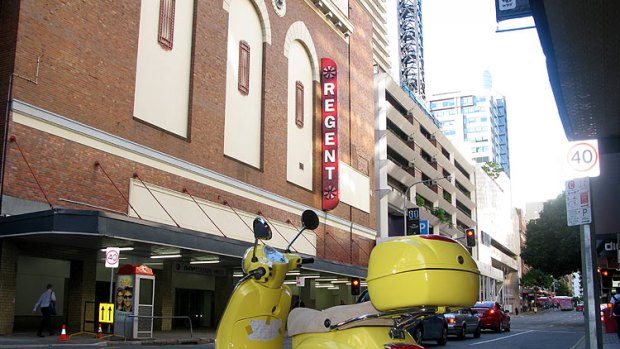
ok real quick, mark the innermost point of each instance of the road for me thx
(549, 329)
(552, 329)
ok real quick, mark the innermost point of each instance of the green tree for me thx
(493, 169)
(536, 278)
(563, 290)
(551, 245)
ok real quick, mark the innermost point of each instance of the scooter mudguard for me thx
(254, 318)
(367, 337)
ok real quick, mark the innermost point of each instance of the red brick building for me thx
(165, 127)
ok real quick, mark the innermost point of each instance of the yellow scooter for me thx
(408, 278)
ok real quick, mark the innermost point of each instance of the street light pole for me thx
(406, 198)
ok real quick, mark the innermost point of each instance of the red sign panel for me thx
(329, 113)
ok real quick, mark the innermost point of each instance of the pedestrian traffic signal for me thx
(355, 286)
(606, 278)
(470, 237)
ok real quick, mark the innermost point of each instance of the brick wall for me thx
(164, 297)
(8, 284)
(88, 70)
(9, 10)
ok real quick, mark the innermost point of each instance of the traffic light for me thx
(470, 237)
(605, 278)
(355, 286)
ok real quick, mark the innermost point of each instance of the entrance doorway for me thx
(197, 304)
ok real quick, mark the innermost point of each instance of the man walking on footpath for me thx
(47, 304)
(615, 299)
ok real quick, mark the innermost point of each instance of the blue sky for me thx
(460, 42)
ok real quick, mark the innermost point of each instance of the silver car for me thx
(463, 322)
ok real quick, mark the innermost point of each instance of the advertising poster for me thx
(123, 303)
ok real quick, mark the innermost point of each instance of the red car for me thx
(492, 316)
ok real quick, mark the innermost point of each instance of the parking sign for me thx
(424, 227)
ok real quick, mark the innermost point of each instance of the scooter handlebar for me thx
(308, 260)
(259, 273)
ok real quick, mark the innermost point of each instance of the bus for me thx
(564, 302)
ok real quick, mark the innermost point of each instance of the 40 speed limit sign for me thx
(112, 256)
(583, 159)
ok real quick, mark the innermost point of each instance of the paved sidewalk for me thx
(30, 340)
(611, 341)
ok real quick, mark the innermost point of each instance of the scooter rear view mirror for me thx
(309, 219)
(261, 229)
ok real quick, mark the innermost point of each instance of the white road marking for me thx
(579, 342)
(501, 338)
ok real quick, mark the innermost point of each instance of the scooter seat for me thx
(304, 320)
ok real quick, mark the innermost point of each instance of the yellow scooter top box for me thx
(422, 270)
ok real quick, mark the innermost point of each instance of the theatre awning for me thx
(97, 229)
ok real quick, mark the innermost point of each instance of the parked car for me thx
(492, 316)
(431, 328)
(463, 322)
(579, 307)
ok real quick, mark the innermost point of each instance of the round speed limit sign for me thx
(112, 256)
(583, 157)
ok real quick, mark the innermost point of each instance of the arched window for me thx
(162, 95)
(247, 26)
(303, 75)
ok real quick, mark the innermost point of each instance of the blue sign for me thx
(423, 227)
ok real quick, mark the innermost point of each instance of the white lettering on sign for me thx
(329, 114)
(330, 121)
(330, 172)
(329, 105)
(329, 89)
(330, 156)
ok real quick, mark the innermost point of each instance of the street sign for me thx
(106, 313)
(413, 221)
(424, 227)
(578, 210)
(583, 159)
(112, 256)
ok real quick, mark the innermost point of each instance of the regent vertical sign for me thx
(329, 151)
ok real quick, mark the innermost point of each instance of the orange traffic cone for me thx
(99, 332)
(63, 333)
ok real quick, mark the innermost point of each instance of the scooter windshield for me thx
(273, 255)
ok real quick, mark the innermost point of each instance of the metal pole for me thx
(592, 303)
(110, 299)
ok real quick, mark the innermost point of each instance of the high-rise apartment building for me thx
(411, 46)
(476, 123)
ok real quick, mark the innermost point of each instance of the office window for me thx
(299, 104)
(166, 23)
(244, 68)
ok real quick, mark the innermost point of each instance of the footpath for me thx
(175, 337)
